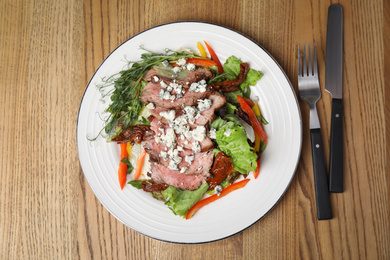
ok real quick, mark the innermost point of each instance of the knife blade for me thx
(334, 85)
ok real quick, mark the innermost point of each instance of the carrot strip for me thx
(140, 163)
(224, 192)
(122, 175)
(214, 57)
(202, 62)
(256, 173)
(254, 121)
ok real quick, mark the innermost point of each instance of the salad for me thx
(189, 121)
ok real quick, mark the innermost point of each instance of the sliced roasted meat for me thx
(162, 174)
(185, 142)
(154, 93)
(204, 117)
(189, 160)
(193, 76)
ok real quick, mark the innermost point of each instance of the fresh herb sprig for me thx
(125, 96)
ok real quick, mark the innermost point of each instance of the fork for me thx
(309, 91)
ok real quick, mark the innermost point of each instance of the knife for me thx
(334, 85)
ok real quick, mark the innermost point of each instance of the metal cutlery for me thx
(309, 91)
(334, 85)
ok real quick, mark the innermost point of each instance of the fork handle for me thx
(324, 210)
(336, 147)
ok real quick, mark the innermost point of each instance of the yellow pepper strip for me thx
(128, 148)
(256, 109)
(201, 50)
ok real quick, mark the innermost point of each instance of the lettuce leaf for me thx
(233, 142)
(180, 201)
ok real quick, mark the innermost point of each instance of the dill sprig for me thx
(127, 85)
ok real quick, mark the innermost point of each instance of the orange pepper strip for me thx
(214, 57)
(202, 62)
(254, 121)
(256, 173)
(249, 101)
(224, 192)
(122, 175)
(140, 163)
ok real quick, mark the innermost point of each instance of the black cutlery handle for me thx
(336, 147)
(324, 210)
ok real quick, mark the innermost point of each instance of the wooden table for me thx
(50, 49)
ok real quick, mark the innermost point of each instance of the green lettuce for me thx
(180, 201)
(233, 142)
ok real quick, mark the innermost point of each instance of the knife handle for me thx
(324, 210)
(336, 147)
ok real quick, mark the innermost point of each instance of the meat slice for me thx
(151, 94)
(187, 143)
(189, 160)
(193, 76)
(206, 116)
(162, 174)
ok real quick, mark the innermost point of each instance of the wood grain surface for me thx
(49, 50)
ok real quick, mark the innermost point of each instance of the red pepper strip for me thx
(122, 175)
(202, 62)
(254, 121)
(140, 163)
(214, 57)
(224, 192)
(256, 173)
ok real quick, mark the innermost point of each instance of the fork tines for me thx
(307, 70)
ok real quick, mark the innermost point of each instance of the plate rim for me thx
(285, 76)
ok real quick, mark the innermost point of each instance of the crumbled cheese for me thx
(200, 86)
(218, 189)
(176, 87)
(190, 112)
(161, 130)
(163, 84)
(199, 133)
(175, 160)
(189, 158)
(204, 104)
(165, 63)
(190, 66)
(164, 155)
(169, 115)
(176, 70)
(155, 78)
(157, 139)
(180, 148)
(181, 61)
(173, 152)
(183, 169)
(213, 133)
(151, 106)
(169, 138)
(196, 147)
(165, 95)
(228, 132)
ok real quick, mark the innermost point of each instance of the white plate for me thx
(231, 214)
